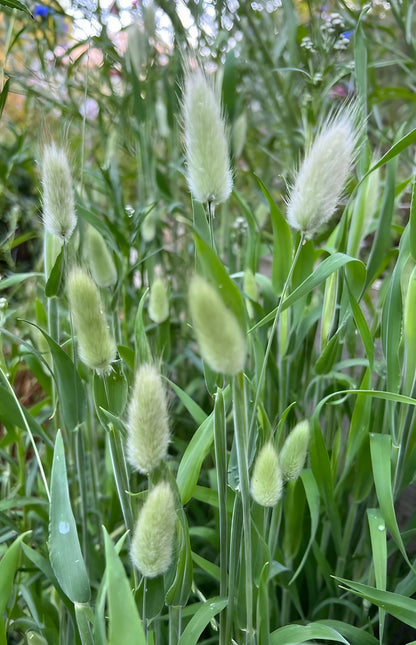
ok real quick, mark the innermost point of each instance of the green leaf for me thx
(382, 240)
(64, 549)
(328, 266)
(200, 620)
(178, 593)
(144, 355)
(216, 273)
(312, 496)
(263, 610)
(194, 455)
(294, 634)
(355, 635)
(3, 95)
(210, 568)
(321, 468)
(55, 282)
(16, 4)
(282, 243)
(380, 447)
(12, 280)
(125, 625)
(379, 549)
(399, 606)
(8, 567)
(193, 408)
(412, 223)
(110, 393)
(406, 141)
(71, 391)
(12, 413)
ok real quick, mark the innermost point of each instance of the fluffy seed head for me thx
(148, 426)
(266, 482)
(58, 198)
(152, 544)
(159, 302)
(321, 178)
(100, 260)
(293, 453)
(220, 337)
(206, 146)
(97, 348)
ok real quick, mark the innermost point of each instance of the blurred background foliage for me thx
(106, 82)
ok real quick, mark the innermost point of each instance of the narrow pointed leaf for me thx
(125, 625)
(64, 548)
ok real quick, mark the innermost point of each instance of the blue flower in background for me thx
(42, 11)
(347, 34)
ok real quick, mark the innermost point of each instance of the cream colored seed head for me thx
(321, 178)
(219, 335)
(97, 348)
(58, 197)
(152, 545)
(266, 482)
(100, 259)
(159, 302)
(148, 421)
(206, 145)
(294, 451)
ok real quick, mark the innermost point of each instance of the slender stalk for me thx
(235, 549)
(83, 623)
(241, 437)
(120, 475)
(175, 619)
(144, 616)
(272, 335)
(220, 441)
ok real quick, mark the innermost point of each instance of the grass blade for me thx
(64, 548)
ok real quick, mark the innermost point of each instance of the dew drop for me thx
(381, 527)
(63, 527)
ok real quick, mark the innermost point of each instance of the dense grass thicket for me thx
(208, 323)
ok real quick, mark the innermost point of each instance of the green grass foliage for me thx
(326, 322)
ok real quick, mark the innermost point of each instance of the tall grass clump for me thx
(207, 429)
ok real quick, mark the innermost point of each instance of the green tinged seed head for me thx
(293, 453)
(250, 285)
(152, 545)
(206, 146)
(159, 302)
(220, 337)
(266, 482)
(58, 198)
(100, 260)
(148, 426)
(323, 173)
(409, 309)
(97, 348)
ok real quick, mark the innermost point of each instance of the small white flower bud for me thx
(152, 545)
(100, 259)
(219, 335)
(148, 421)
(206, 146)
(266, 482)
(293, 453)
(58, 198)
(97, 348)
(158, 302)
